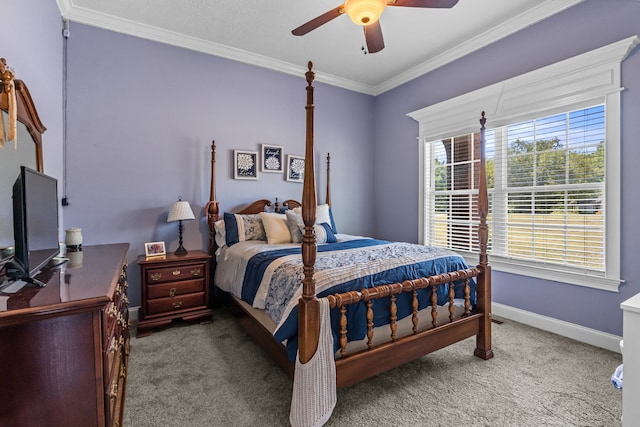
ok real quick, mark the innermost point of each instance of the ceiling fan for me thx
(367, 13)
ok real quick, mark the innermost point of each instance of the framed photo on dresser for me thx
(154, 249)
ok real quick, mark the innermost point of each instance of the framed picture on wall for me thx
(272, 159)
(245, 164)
(295, 168)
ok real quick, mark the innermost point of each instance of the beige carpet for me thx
(215, 375)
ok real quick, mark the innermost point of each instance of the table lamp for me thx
(180, 211)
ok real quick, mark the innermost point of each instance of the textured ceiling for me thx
(259, 32)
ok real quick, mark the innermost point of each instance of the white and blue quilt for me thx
(272, 276)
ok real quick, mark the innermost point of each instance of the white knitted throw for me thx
(314, 382)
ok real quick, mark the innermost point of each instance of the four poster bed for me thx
(381, 316)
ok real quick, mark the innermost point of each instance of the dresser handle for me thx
(177, 304)
(176, 272)
(196, 272)
(172, 292)
(156, 276)
(114, 391)
(112, 311)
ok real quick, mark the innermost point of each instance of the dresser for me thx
(631, 361)
(174, 287)
(64, 348)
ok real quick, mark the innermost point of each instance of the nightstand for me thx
(174, 287)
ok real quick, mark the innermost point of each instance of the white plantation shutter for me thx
(546, 183)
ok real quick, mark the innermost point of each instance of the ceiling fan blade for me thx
(318, 21)
(442, 4)
(373, 37)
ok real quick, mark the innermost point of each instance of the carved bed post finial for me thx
(308, 307)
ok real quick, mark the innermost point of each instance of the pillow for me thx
(294, 220)
(323, 215)
(324, 233)
(276, 228)
(220, 233)
(239, 228)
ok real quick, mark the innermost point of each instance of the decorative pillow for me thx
(324, 233)
(276, 228)
(323, 215)
(294, 220)
(239, 228)
(220, 233)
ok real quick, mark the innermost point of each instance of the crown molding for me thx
(81, 15)
(540, 12)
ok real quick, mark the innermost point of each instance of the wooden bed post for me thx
(483, 339)
(308, 306)
(212, 208)
(328, 195)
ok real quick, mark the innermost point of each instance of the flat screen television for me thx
(35, 224)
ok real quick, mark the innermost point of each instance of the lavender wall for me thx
(584, 27)
(31, 42)
(141, 117)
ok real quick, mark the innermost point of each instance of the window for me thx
(553, 156)
(546, 183)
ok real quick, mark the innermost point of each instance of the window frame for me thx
(588, 79)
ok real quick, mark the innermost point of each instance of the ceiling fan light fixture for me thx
(364, 12)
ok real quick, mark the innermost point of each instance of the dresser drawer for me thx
(169, 290)
(175, 304)
(182, 272)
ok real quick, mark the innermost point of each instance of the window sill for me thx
(572, 276)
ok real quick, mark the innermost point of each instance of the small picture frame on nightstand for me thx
(154, 249)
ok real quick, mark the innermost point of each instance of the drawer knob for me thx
(177, 304)
(176, 272)
(196, 272)
(156, 276)
(172, 292)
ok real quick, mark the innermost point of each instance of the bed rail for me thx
(342, 300)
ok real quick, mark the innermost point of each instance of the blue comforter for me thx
(341, 267)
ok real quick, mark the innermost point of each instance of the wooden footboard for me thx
(353, 367)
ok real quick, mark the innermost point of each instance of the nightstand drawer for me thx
(159, 275)
(169, 290)
(174, 287)
(178, 303)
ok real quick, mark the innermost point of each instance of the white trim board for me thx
(570, 330)
(133, 313)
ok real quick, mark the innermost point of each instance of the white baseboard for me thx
(570, 330)
(133, 313)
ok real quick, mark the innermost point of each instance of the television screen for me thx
(35, 223)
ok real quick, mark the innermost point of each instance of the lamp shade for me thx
(365, 12)
(180, 211)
